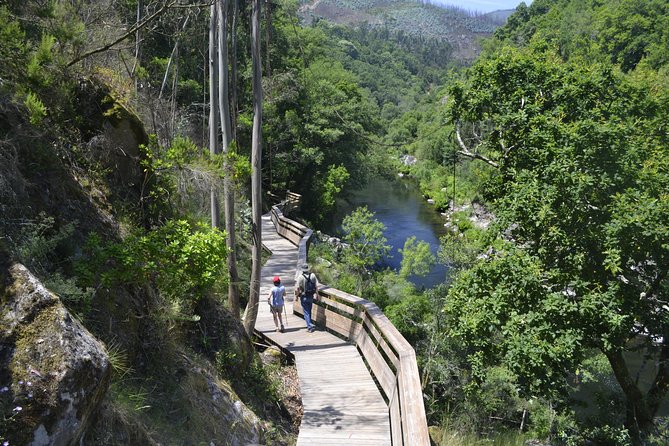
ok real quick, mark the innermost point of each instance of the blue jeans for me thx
(307, 303)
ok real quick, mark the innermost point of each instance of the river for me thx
(399, 205)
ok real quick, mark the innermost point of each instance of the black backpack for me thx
(309, 285)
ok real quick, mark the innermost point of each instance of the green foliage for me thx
(465, 243)
(416, 258)
(163, 166)
(577, 196)
(364, 234)
(328, 84)
(332, 186)
(75, 298)
(12, 46)
(408, 316)
(434, 179)
(189, 92)
(498, 395)
(599, 435)
(36, 108)
(501, 309)
(38, 244)
(255, 384)
(181, 152)
(633, 30)
(386, 288)
(118, 360)
(626, 32)
(183, 262)
(39, 64)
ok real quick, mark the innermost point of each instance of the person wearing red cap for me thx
(275, 301)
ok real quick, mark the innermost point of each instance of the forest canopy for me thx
(574, 123)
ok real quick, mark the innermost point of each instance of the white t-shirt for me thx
(277, 295)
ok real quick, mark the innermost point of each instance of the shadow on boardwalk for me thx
(342, 405)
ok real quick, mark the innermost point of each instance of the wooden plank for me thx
(344, 307)
(382, 372)
(388, 330)
(377, 433)
(338, 441)
(381, 342)
(395, 418)
(336, 322)
(414, 422)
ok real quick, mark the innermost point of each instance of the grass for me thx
(452, 438)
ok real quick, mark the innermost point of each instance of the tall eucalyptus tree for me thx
(213, 111)
(220, 108)
(256, 155)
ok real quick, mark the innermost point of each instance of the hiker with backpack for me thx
(306, 287)
(275, 301)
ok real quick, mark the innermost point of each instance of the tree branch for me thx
(465, 151)
(129, 33)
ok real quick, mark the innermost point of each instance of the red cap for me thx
(276, 279)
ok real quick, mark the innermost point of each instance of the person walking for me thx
(306, 287)
(275, 301)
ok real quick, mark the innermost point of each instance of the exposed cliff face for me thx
(54, 372)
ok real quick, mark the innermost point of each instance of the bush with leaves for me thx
(183, 262)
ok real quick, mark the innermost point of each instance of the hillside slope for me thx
(458, 27)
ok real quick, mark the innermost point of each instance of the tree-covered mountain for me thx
(459, 28)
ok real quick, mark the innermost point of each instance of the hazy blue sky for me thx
(483, 5)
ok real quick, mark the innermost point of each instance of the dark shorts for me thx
(278, 309)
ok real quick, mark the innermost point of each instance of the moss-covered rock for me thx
(54, 373)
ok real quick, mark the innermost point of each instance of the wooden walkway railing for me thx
(390, 358)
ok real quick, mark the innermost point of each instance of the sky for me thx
(483, 5)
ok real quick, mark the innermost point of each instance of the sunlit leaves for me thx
(365, 236)
(36, 108)
(416, 258)
(181, 260)
(581, 200)
(505, 310)
(331, 186)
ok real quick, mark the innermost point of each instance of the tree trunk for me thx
(213, 113)
(233, 70)
(639, 416)
(660, 387)
(138, 47)
(228, 186)
(256, 157)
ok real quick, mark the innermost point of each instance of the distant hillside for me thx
(462, 29)
(500, 16)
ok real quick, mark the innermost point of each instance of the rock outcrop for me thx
(53, 372)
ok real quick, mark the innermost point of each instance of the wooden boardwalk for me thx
(342, 404)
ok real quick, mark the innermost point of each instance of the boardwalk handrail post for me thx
(389, 357)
